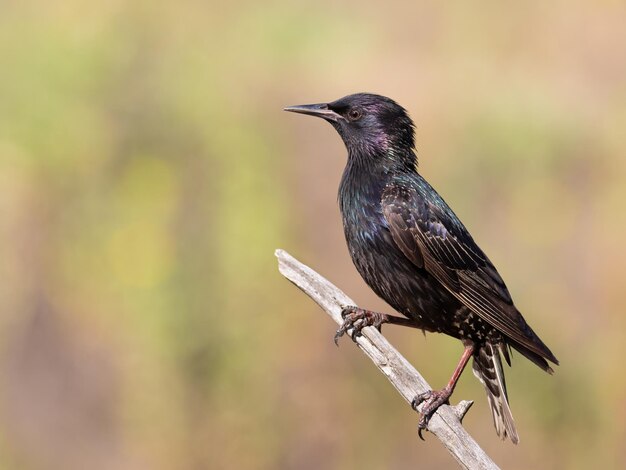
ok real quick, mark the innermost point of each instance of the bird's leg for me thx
(434, 399)
(356, 318)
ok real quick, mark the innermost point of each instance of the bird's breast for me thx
(380, 262)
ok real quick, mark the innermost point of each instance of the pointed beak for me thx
(319, 110)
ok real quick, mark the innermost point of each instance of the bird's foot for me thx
(432, 401)
(356, 318)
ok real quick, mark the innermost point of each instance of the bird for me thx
(415, 253)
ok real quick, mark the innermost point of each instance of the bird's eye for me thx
(354, 114)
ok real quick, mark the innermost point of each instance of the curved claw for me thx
(339, 333)
(419, 399)
(432, 401)
(355, 318)
(342, 331)
(423, 422)
(347, 310)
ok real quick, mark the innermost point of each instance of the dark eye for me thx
(354, 114)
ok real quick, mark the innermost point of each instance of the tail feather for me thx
(534, 357)
(487, 368)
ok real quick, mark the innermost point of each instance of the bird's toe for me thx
(432, 400)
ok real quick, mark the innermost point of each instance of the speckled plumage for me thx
(414, 252)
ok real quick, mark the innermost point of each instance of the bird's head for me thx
(370, 125)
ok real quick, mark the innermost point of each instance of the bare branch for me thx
(446, 422)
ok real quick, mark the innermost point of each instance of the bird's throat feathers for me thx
(365, 177)
(380, 160)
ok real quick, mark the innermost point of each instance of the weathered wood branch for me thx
(446, 422)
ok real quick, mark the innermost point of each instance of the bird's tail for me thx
(488, 368)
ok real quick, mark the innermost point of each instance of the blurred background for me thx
(148, 173)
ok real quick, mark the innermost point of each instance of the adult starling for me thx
(414, 252)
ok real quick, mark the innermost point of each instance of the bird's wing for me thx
(432, 238)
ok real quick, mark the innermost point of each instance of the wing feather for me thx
(431, 236)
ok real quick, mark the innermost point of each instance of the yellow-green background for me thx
(147, 173)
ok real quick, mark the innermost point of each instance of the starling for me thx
(414, 252)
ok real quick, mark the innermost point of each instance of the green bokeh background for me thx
(147, 173)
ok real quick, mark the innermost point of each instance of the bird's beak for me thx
(319, 110)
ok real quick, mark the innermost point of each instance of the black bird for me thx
(414, 252)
